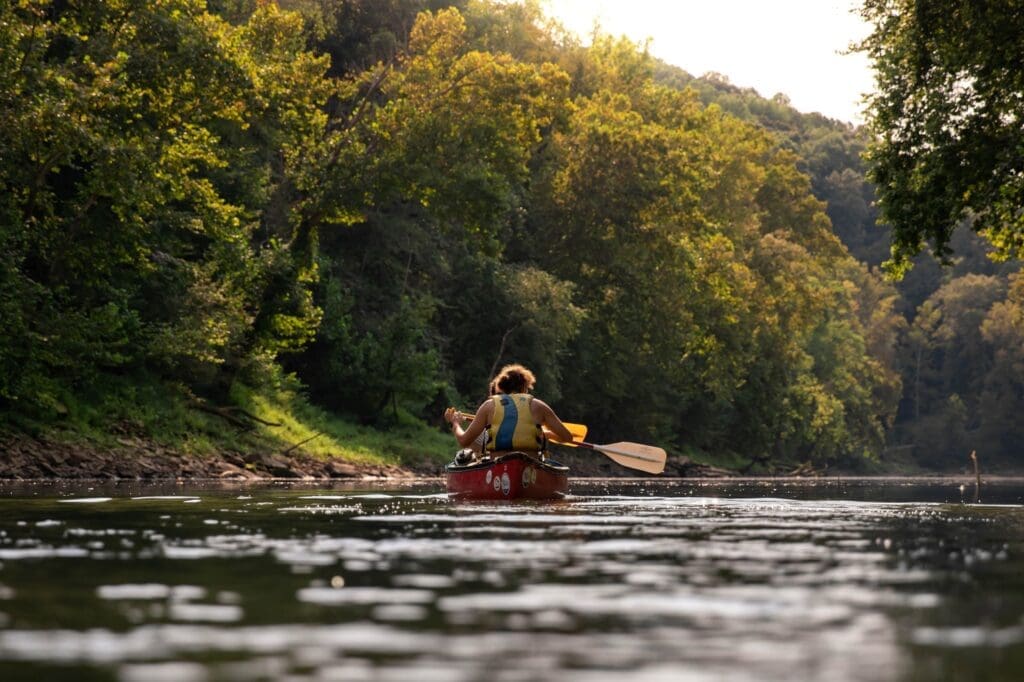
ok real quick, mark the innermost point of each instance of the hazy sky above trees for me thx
(790, 46)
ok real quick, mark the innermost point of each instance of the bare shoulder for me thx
(541, 407)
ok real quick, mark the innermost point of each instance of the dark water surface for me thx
(635, 580)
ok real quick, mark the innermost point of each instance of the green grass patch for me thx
(319, 433)
(117, 408)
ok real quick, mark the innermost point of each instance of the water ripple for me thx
(357, 585)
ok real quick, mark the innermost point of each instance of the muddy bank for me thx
(23, 457)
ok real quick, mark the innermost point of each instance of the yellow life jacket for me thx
(512, 426)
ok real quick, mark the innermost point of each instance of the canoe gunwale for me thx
(489, 461)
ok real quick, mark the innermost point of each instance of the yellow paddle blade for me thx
(578, 431)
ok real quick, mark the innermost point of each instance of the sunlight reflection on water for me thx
(360, 584)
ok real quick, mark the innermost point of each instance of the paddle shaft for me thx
(611, 448)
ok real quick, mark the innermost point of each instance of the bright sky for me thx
(789, 46)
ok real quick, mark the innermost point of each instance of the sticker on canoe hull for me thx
(506, 483)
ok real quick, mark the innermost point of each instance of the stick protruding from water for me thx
(977, 476)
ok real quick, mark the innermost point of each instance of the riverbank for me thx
(145, 430)
(136, 458)
(25, 457)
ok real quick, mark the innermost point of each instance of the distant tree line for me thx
(390, 199)
(943, 147)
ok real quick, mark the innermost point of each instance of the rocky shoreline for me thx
(26, 458)
(136, 458)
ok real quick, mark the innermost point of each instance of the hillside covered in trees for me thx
(376, 204)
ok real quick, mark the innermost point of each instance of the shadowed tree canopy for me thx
(947, 121)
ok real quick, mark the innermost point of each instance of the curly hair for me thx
(514, 379)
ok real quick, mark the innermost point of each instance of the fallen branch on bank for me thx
(233, 415)
(806, 469)
(316, 435)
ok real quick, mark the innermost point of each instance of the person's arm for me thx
(550, 421)
(465, 437)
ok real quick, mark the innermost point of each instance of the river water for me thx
(626, 580)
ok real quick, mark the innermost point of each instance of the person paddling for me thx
(514, 420)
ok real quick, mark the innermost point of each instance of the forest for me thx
(377, 204)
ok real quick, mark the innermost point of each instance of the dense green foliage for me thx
(946, 120)
(153, 159)
(946, 153)
(383, 202)
(949, 379)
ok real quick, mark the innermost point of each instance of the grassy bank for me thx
(304, 426)
(271, 419)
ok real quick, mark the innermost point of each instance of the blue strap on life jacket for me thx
(507, 429)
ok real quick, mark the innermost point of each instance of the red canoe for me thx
(514, 476)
